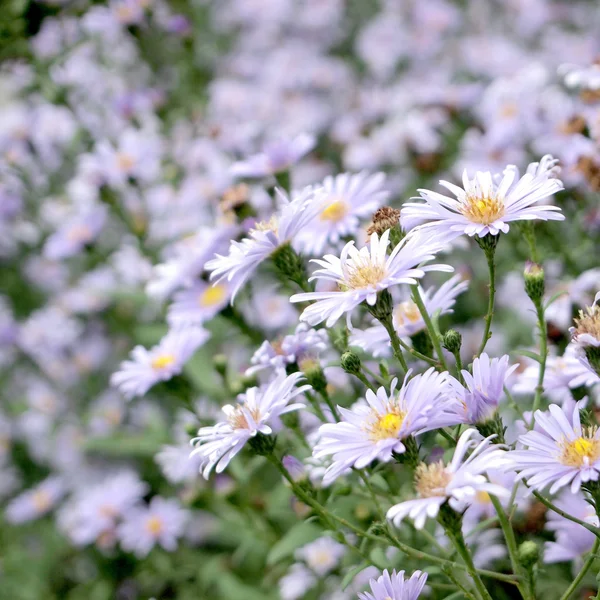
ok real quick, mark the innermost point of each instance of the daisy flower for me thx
(198, 304)
(375, 430)
(276, 157)
(407, 318)
(560, 452)
(322, 556)
(457, 483)
(484, 206)
(344, 201)
(160, 363)
(361, 274)
(35, 502)
(266, 237)
(395, 586)
(162, 523)
(484, 388)
(255, 413)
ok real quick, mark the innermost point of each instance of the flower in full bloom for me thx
(276, 157)
(457, 483)
(572, 540)
(407, 318)
(162, 523)
(198, 304)
(322, 556)
(559, 452)
(160, 363)
(35, 502)
(345, 199)
(484, 388)
(483, 206)
(395, 586)
(255, 413)
(295, 584)
(376, 429)
(361, 274)
(266, 237)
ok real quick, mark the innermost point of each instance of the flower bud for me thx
(528, 554)
(452, 341)
(220, 364)
(351, 362)
(289, 264)
(311, 367)
(383, 307)
(534, 281)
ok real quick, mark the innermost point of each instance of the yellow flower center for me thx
(80, 233)
(162, 361)
(271, 225)
(335, 212)
(386, 426)
(213, 295)
(41, 500)
(483, 497)
(482, 209)
(125, 162)
(237, 419)
(364, 275)
(407, 311)
(431, 480)
(154, 525)
(588, 322)
(582, 451)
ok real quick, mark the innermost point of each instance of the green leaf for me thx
(297, 536)
(533, 355)
(378, 558)
(352, 573)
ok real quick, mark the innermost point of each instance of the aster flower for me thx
(297, 581)
(586, 336)
(457, 483)
(345, 199)
(361, 274)
(266, 237)
(255, 413)
(560, 452)
(407, 318)
(321, 556)
(162, 523)
(484, 388)
(376, 429)
(395, 586)
(483, 206)
(276, 157)
(160, 363)
(36, 502)
(198, 304)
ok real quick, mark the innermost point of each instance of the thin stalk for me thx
(325, 395)
(419, 355)
(584, 569)
(539, 390)
(374, 497)
(316, 406)
(389, 327)
(362, 378)
(489, 254)
(435, 340)
(459, 366)
(374, 375)
(562, 513)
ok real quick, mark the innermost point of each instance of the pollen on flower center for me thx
(162, 361)
(482, 209)
(387, 426)
(364, 275)
(212, 295)
(125, 161)
(407, 311)
(483, 497)
(80, 233)
(154, 525)
(238, 419)
(271, 225)
(582, 451)
(41, 500)
(431, 480)
(335, 211)
(588, 322)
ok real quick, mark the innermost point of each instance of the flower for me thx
(395, 586)
(586, 332)
(484, 207)
(484, 388)
(561, 452)
(322, 556)
(361, 274)
(375, 430)
(266, 237)
(457, 483)
(344, 200)
(35, 502)
(255, 413)
(160, 363)
(295, 584)
(407, 318)
(198, 304)
(162, 522)
(276, 157)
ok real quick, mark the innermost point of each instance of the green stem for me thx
(539, 390)
(389, 327)
(562, 513)
(325, 395)
(362, 378)
(435, 339)
(419, 355)
(489, 255)
(584, 569)
(316, 406)
(459, 366)
(374, 497)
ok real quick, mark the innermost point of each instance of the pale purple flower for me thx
(321, 556)
(244, 257)
(296, 582)
(255, 413)
(35, 502)
(457, 483)
(361, 274)
(561, 452)
(176, 464)
(395, 586)
(486, 206)
(376, 429)
(161, 523)
(276, 156)
(198, 304)
(160, 363)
